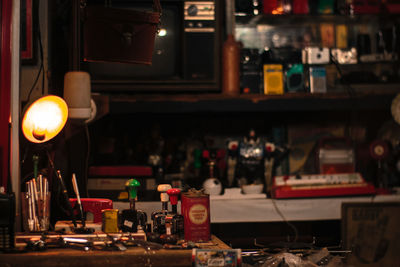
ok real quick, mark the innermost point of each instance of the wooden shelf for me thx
(211, 103)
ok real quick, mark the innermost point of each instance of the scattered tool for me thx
(66, 198)
(78, 199)
(158, 217)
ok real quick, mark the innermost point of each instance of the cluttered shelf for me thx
(179, 103)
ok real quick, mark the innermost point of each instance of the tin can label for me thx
(198, 214)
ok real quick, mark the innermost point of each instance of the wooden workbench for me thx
(133, 257)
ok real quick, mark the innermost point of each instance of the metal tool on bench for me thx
(176, 219)
(133, 220)
(78, 199)
(83, 229)
(158, 217)
(66, 198)
(98, 241)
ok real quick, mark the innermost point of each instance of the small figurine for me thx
(212, 184)
(251, 161)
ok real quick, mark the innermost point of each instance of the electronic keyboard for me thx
(321, 185)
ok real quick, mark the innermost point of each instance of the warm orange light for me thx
(44, 119)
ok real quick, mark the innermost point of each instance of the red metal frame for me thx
(28, 53)
(5, 90)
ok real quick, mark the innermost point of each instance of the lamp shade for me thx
(77, 94)
(44, 119)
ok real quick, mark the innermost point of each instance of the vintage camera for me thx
(315, 55)
(317, 79)
(294, 78)
(345, 56)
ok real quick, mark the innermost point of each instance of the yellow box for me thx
(273, 79)
(110, 221)
(341, 36)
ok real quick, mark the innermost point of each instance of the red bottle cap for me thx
(173, 195)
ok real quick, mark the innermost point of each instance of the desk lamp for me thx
(43, 120)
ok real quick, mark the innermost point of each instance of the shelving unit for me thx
(189, 103)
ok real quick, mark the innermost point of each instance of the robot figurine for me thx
(251, 161)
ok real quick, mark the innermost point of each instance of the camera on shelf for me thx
(315, 55)
(345, 56)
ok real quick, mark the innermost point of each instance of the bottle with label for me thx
(230, 55)
(158, 217)
(132, 219)
(231, 66)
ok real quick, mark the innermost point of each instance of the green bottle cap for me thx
(131, 186)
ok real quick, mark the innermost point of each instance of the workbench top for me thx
(133, 257)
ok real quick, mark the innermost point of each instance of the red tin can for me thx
(195, 208)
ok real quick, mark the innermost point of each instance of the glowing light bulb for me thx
(162, 32)
(44, 119)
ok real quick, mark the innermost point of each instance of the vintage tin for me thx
(195, 208)
(110, 221)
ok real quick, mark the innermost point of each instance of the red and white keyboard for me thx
(321, 185)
